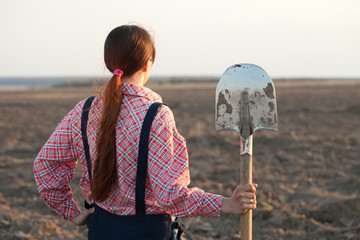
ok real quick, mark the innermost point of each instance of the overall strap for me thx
(84, 121)
(143, 159)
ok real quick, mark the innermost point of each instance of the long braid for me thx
(105, 173)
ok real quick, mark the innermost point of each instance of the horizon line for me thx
(174, 76)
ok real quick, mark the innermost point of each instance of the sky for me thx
(287, 38)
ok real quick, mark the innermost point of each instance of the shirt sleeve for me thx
(169, 172)
(54, 169)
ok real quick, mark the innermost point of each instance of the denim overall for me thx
(104, 225)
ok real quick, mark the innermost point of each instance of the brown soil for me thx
(308, 172)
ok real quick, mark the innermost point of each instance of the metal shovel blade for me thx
(245, 100)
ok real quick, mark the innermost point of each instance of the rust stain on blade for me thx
(271, 106)
(224, 109)
(269, 91)
(222, 100)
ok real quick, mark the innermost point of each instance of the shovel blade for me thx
(245, 100)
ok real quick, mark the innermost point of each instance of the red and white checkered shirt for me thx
(168, 170)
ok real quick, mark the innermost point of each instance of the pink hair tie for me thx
(118, 72)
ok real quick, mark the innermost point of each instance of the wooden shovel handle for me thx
(245, 178)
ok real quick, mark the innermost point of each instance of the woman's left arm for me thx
(54, 169)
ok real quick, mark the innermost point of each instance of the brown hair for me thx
(128, 48)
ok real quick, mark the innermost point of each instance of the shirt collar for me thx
(140, 91)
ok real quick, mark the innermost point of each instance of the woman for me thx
(114, 126)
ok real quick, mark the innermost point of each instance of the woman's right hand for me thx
(242, 199)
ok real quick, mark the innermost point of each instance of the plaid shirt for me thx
(168, 170)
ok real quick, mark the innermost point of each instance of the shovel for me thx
(245, 102)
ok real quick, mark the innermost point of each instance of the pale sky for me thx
(288, 38)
